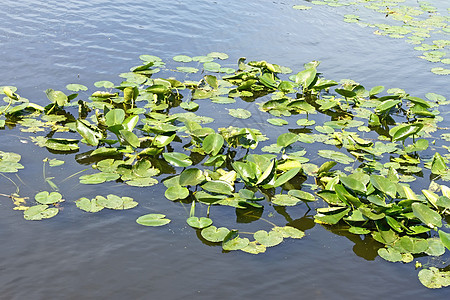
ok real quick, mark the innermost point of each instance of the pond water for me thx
(107, 255)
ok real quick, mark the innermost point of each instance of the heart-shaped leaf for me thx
(199, 223)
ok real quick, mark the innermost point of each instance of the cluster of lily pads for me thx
(144, 130)
(421, 23)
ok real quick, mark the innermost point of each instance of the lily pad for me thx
(88, 205)
(176, 192)
(268, 239)
(232, 241)
(240, 113)
(433, 278)
(199, 223)
(153, 220)
(45, 197)
(214, 234)
(40, 212)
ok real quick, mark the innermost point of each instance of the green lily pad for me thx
(98, 178)
(153, 220)
(285, 200)
(390, 254)
(45, 197)
(290, 232)
(88, 205)
(277, 122)
(176, 192)
(254, 248)
(268, 239)
(301, 7)
(214, 234)
(199, 223)
(76, 87)
(433, 278)
(187, 69)
(232, 241)
(240, 113)
(40, 212)
(182, 58)
(440, 71)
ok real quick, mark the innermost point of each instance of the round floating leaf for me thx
(40, 212)
(115, 117)
(98, 178)
(142, 182)
(111, 201)
(214, 234)
(435, 247)
(390, 254)
(285, 200)
(182, 58)
(88, 205)
(254, 248)
(233, 242)
(76, 87)
(218, 55)
(440, 71)
(48, 198)
(202, 59)
(277, 122)
(290, 232)
(149, 58)
(240, 113)
(153, 220)
(428, 216)
(433, 278)
(305, 122)
(105, 84)
(177, 159)
(189, 105)
(336, 156)
(199, 223)
(301, 7)
(187, 69)
(222, 100)
(211, 66)
(176, 192)
(268, 239)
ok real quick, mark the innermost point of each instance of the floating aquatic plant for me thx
(144, 131)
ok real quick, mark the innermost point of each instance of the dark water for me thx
(107, 255)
